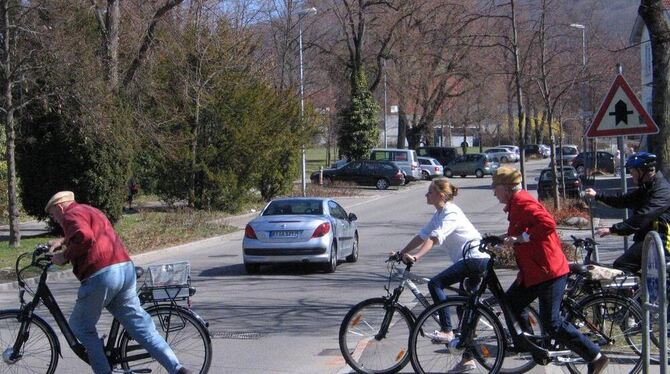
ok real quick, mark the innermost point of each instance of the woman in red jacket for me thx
(543, 268)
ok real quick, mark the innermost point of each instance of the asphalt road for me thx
(286, 319)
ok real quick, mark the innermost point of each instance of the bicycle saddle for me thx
(578, 269)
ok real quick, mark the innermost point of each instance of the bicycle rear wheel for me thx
(364, 348)
(39, 353)
(487, 347)
(182, 330)
(620, 321)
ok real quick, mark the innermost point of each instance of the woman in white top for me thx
(450, 228)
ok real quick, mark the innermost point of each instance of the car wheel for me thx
(353, 257)
(479, 173)
(504, 159)
(425, 175)
(327, 181)
(448, 173)
(382, 184)
(331, 266)
(252, 268)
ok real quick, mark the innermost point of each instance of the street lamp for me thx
(583, 28)
(302, 13)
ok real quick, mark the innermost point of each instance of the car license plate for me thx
(285, 234)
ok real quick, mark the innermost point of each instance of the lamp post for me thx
(385, 136)
(302, 13)
(583, 28)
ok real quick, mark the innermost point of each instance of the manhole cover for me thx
(219, 334)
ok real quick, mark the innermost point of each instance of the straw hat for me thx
(506, 175)
(59, 198)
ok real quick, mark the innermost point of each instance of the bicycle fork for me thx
(13, 354)
(388, 315)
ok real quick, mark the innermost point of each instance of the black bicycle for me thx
(29, 343)
(374, 334)
(611, 321)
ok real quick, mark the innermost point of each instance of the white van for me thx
(406, 159)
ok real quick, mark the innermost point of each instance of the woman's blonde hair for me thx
(447, 189)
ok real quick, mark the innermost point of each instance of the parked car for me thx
(572, 183)
(512, 148)
(380, 174)
(533, 150)
(442, 154)
(477, 164)
(545, 150)
(565, 154)
(406, 159)
(502, 155)
(430, 168)
(300, 230)
(586, 161)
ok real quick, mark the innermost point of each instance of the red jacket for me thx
(92, 243)
(542, 258)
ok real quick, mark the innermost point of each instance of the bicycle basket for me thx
(168, 282)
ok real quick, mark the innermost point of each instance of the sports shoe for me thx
(441, 336)
(598, 366)
(463, 367)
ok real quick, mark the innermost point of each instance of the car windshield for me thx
(294, 207)
(569, 151)
(548, 175)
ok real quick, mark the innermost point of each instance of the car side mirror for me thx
(352, 217)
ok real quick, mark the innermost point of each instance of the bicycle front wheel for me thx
(613, 323)
(373, 337)
(186, 335)
(39, 353)
(484, 351)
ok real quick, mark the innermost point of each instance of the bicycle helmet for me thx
(641, 160)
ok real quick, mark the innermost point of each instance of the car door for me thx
(349, 172)
(342, 227)
(367, 174)
(457, 166)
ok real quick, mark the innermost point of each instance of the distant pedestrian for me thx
(133, 189)
(617, 163)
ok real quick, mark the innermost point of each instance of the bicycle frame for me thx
(43, 294)
(520, 338)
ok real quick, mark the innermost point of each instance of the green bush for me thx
(67, 150)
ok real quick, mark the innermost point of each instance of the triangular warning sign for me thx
(621, 113)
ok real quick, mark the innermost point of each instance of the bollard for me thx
(320, 175)
(654, 299)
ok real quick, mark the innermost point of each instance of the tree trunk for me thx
(653, 14)
(14, 230)
(112, 44)
(402, 127)
(519, 99)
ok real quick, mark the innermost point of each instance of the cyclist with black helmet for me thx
(650, 203)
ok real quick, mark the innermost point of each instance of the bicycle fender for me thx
(50, 329)
(183, 310)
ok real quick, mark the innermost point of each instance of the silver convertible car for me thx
(300, 230)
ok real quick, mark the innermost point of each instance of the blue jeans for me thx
(470, 267)
(549, 295)
(113, 287)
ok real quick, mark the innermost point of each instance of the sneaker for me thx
(463, 367)
(441, 336)
(184, 370)
(598, 366)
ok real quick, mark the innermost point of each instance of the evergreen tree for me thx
(359, 130)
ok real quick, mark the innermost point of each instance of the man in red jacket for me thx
(543, 268)
(101, 263)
